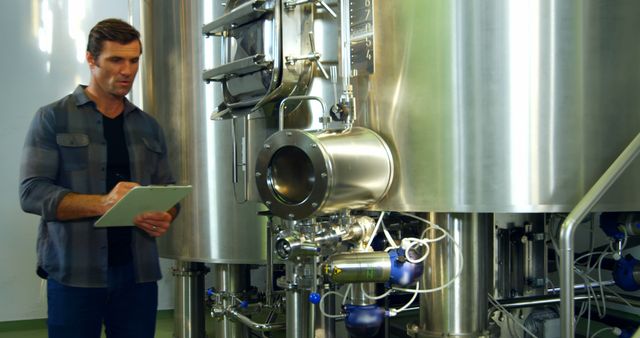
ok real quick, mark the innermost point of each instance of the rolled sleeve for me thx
(39, 169)
(41, 197)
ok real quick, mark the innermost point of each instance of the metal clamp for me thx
(313, 57)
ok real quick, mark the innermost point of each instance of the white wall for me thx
(42, 59)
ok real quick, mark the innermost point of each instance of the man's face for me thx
(116, 67)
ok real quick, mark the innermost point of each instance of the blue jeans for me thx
(127, 309)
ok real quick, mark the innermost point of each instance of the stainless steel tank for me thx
(216, 224)
(499, 105)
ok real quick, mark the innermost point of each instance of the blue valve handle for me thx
(314, 298)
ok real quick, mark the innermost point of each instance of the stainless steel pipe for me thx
(327, 325)
(524, 302)
(283, 105)
(269, 283)
(459, 310)
(298, 314)
(570, 225)
(262, 327)
(584, 286)
(229, 278)
(189, 307)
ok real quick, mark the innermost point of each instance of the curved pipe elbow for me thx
(246, 321)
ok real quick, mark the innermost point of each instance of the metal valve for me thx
(313, 57)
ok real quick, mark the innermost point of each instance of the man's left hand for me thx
(155, 224)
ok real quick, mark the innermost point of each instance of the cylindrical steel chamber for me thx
(215, 224)
(300, 174)
(459, 310)
(499, 105)
(189, 318)
(352, 267)
(300, 314)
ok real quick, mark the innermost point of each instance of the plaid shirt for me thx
(65, 151)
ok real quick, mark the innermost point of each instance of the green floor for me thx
(38, 328)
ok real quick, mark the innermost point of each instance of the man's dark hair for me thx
(111, 30)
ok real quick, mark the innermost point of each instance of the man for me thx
(82, 154)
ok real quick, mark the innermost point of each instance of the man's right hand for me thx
(116, 194)
(78, 206)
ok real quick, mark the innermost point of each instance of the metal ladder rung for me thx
(239, 16)
(237, 68)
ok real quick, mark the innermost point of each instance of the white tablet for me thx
(141, 199)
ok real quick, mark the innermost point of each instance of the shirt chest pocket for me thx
(74, 151)
(153, 152)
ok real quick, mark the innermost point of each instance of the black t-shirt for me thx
(119, 238)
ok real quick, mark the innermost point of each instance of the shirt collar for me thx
(82, 99)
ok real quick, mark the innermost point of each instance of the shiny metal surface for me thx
(299, 309)
(499, 105)
(535, 257)
(189, 308)
(291, 246)
(268, 292)
(257, 37)
(283, 106)
(236, 16)
(229, 278)
(292, 176)
(296, 78)
(212, 226)
(632, 223)
(299, 174)
(325, 327)
(258, 128)
(570, 225)
(583, 286)
(308, 115)
(355, 267)
(554, 299)
(261, 29)
(461, 309)
(358, 296)
(235, 315)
